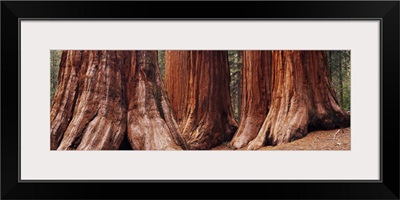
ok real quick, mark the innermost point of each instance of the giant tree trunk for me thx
(96, 116)
(302, 99)
(151, 124)
(256, 94)
(176, 74)
(89, 110)
(207, 116)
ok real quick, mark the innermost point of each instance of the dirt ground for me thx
(338, 139)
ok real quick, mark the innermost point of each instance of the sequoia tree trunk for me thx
(302, 99)
(256, 95)
(176, 74)
(89, 110)
(207, 118)
(151, 125)
(92, 88)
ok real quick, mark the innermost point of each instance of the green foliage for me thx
(339, 67)
(161, 62)
(55, 59)
(235, 67)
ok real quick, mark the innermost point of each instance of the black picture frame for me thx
(386, 11)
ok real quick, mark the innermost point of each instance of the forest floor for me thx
(337, 139)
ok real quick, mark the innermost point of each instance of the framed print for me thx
(290, 96)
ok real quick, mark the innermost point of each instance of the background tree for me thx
(207, 115)
(302, 99)
(339, 67)
(55, 59)
(235, 67)
(161, 63)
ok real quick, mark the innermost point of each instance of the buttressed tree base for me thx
(200, 96)
(103, 95)
(106, 97)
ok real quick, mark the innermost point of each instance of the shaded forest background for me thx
(338, 65)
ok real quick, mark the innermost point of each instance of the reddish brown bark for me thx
(256, 94)
(151, 125)
(176, 66)
(99, 118)
(207, 118)
(89, 111)
(302, 99)
(65, 97)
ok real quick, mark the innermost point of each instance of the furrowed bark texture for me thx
(99, 117)
(176, 66)
(325, 111)
(151, 124)
(256, 95)
(302, 99)
(99, 91)
(208, 118)
(65, 97)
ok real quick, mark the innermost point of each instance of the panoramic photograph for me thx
(221, 100)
